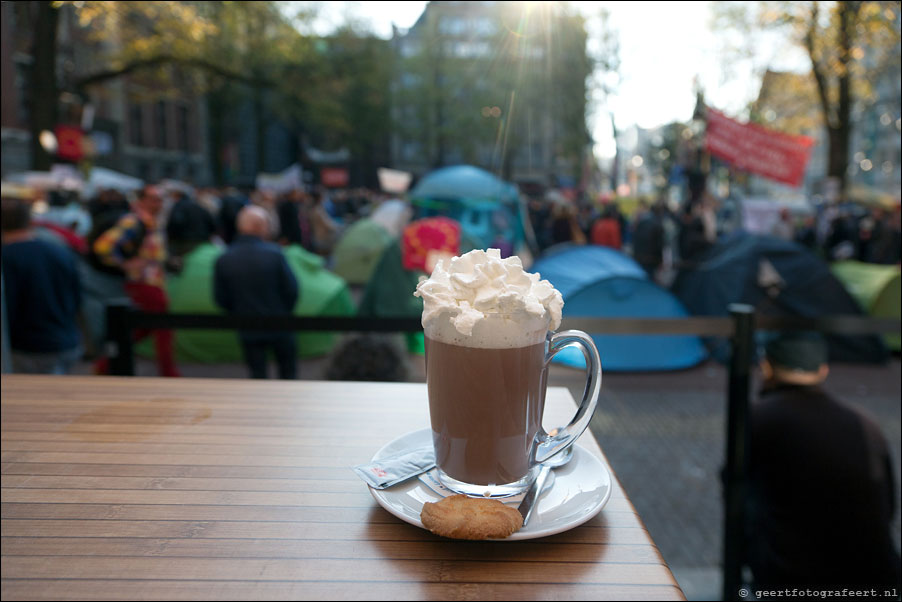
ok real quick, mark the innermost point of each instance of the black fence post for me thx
(120, 346)
(735, 472)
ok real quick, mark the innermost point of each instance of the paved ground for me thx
(664, 436)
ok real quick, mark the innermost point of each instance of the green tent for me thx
(359, 249)
(389, 293)
(191, 291)
(876, 288)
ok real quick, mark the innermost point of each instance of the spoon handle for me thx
(529, 500)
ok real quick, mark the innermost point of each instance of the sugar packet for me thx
(395, 468)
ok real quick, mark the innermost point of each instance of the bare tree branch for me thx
(163, 59)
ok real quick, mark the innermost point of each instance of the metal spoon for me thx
(532, 495)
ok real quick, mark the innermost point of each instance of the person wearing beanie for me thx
(821, 494)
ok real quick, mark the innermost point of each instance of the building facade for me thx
(494, 84)
(131, 125)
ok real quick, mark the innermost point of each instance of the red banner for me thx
(750, 147)
(334, 177)
(69, 143)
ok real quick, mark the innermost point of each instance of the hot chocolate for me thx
(486, 407)
(486, 322)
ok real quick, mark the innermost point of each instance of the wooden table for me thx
(144, 488)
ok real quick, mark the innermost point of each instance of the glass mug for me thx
(486, 403)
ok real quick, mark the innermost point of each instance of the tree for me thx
(170, 45)
(848, 45)
(44, 93)
(487, 86)
(606, 58)
(357, 73)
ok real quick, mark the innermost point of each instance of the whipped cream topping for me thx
(481, 300)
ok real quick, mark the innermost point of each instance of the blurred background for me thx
(627, 151)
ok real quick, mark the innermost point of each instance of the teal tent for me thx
(191, 291)
(487, 207)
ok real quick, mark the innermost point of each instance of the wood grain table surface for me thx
(146, 488)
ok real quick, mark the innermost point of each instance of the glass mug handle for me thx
(545, 446)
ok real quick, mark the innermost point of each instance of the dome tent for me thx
(359, 250)
(191, 291)
(487, 207)
(877, 288)
(464, 182)
(389, 293)
(777, 277)
(601, 282)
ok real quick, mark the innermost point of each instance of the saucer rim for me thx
(605, 478)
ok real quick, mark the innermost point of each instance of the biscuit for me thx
(462, 517)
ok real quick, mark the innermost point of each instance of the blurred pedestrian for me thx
(806, 235)
(231, 202)
(288, 208)
(252, 278)
(134, 246)
(100, 283)
(540, 220)
(842, 243)
(648, 240)
(42, 294)
(821, 489)
(886, 239)
(606, 230)
(564, 227)
(783, 228)
(188, 225)
(323, 228)
(696, 235)
(368, 358)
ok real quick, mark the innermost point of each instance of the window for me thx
(470, 49)
(454, 26)
(409, 48)
(483, 26)
(136, 125)
(162, 138)
(181, 121)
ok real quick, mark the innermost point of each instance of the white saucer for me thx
(580, 491)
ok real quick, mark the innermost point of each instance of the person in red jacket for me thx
(606, 229)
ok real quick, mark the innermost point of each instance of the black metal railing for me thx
(739, 328)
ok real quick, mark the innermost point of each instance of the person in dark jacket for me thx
(648, 240)
(42, 293)
(252, 278)
(188, 226)
(821, 488)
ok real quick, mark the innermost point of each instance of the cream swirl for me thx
(469, 289)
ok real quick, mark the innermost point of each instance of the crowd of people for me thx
(663, 240)
(122, 247)
(63, 262)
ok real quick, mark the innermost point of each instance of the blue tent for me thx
(604, 283)
(487, 207)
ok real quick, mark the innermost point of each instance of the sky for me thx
(664, 47)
